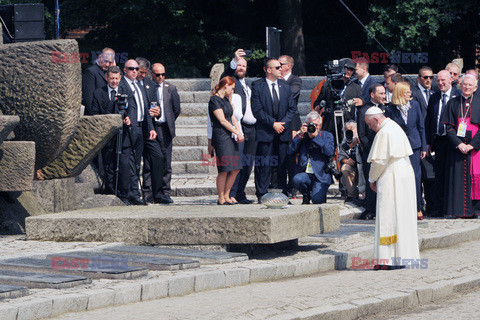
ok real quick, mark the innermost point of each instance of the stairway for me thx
(190, 176)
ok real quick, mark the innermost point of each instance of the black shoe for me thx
(450, 217)
(169, 198)
(137, 202)
(124, 200)
(259, 201)
(163, 200)
(350, 199)
(367, 215)
(245, 201)
(306, 199)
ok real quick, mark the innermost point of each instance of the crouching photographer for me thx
(347, 156)
(314, 148)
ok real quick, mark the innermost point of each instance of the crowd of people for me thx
(257, 126)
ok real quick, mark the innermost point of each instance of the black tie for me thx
(113, 93)
(427, 94)
(276, 102)
(441, 126)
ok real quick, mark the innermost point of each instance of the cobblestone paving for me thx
(263, 300)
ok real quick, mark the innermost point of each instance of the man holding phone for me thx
(238, 69)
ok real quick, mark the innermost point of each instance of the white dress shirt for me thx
(161, 104)
(138, 98)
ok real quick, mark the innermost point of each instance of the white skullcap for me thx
(373, 110)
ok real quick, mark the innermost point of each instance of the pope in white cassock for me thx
(391, 176)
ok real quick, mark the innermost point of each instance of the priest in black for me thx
(462, 120)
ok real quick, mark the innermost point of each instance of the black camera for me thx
(248, 53)
(331, 168)
(121, 99)
(311, 127)
(349, 136)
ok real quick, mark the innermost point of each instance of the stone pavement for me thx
(286, 283)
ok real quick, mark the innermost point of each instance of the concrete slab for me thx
(41, 280)
(152, 263)
(80, 267)
(205, 257)
(177, 224)
(10, 292)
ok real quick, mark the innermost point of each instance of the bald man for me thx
(437, 140)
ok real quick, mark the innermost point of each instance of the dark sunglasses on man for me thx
(159, 74)
(427, 77)
(133, 68)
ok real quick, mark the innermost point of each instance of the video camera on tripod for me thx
(335, 70)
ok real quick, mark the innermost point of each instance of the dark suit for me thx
(295, 84)
(439, 145)
(415, 131)
(269, 142)
(366, 137)
(92, 79)
(247, 148)
(418, 96)
(102, 104)
(366, 86)
(140, 137)
(165, 131)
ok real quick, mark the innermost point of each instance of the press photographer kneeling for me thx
(347, 156)
(315, 149)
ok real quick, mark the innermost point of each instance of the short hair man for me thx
(366, 137)
(390, 83)
(165, 114)
(363, 77)
(455, 72)
(437, 141)
(388, 70)
(314, 150)
(274, 109)
(238, 70)
(423, 90)
(396, 239)
(94, 77)
(143, 134)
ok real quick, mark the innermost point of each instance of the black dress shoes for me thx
(245, 201)
(163, 200)
(306, 199)
(367, 215)
(137, 202)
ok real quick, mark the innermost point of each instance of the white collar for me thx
(287, 76)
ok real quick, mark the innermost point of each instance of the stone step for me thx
(95, 267)
(152, 263)
(198, 84)
(191, 139)
(192, 120)
(7, 124)
(189, 153)
(194, 185)
(205, 257)
(41, 280)
(11, 292)
(189, 167)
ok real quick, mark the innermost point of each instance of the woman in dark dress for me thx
(226, 134)
(408, 115)
(462, 121)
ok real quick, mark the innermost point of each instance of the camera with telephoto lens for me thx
(335, 70)
(121, 101)
(346, 145)
(331, 168)
(311, 127)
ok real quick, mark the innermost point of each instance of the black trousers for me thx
(161, 170)
(370, 203)
(441, 148)
(247, 149)
(270, 155)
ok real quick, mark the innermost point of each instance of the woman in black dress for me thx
(225, 136)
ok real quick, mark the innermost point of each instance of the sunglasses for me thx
(133, 68)
(159, 74)
(427, 77)
(277, 67)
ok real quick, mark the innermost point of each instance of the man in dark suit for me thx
(274, 109)
(366, 137)
(423, 90)
(390, 83)
(295, 84)
(94, 77)
(437, 140)
(364, 80)
(165, 113)
(104, 102)
(142, 130)
(238, 69)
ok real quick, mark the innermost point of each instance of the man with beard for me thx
(238, 70)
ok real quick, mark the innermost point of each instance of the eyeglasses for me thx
(159, 74)
(277, 67)
(454, 73)
(133, 68)
(427, 77)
